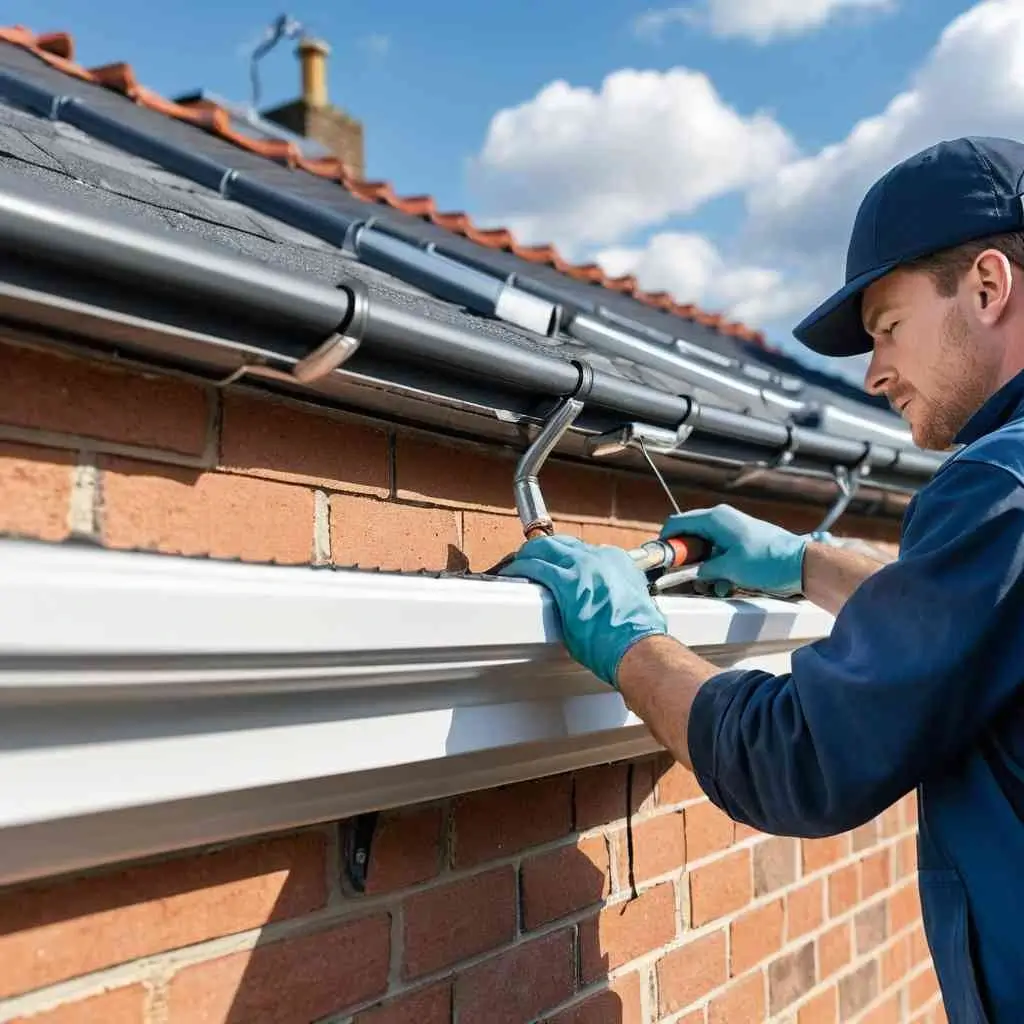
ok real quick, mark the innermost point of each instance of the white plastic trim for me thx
(148, 703)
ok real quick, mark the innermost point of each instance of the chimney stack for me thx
(313, 54)
(313, 116)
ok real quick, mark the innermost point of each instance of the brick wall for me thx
(510, 906)
(498, 907)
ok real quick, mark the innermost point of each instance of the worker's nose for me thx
(878, 376)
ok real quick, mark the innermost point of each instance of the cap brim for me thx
(835, 328)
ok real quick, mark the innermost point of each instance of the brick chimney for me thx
(313, 115)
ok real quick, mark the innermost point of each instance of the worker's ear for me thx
(991, 284)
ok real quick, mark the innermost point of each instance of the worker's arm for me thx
(832, 574)
(920, 660)
(919, 663)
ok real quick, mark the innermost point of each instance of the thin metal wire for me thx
(661, 479)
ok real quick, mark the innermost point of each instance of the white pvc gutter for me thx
(149, 703)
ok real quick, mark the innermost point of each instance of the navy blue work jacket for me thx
(920, 685)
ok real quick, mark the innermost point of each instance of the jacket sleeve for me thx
(918, 662)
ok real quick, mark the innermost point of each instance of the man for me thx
(919, 684)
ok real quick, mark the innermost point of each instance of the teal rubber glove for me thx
(745, 552)
(601, 596)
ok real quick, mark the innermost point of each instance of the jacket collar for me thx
(1005, 405)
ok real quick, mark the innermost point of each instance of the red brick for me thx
(858, 990)
(641, 500)
(904, 908)
(599, 795)
(118, 1006)
(755, 936)
(820, 853)
(746, 832)
(869, 928)
(180, 511)
(774, 865)
(806, 909)
(822, 1009)
(865, 836)
(790, 977)
(432, 1005)
(36, 488)
(919, 951)
(285, 442)
(874, 874)
(896, 962)
(59, 930)
(922, 987)
(499, 822)
(459, 920)
(720, 887)
(889, 822)
(494, 992)
(674, 782)
(743, 1000)
(691, 971)
(623, 931)
(406, 850)
(472, 477)
(288, 982)
(835, 950)
(386, 535)
(906, 857)
(617, 1004)
(90, 398)
(659, 847)
(908, 810)
(708, 830)
(643, 798)
(615, 536)
(889, 1012)
(489, 537)
(565, 880)
(843, 890)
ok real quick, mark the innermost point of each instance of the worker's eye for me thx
(891, 329)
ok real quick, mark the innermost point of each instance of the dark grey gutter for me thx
(201, 277)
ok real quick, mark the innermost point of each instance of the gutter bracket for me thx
(325, 358)
(848, 480)
(533, 512)
(754, 470)
(356, 855)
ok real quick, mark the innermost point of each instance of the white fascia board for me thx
(150, 703)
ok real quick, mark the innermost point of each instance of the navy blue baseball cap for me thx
(945, 195)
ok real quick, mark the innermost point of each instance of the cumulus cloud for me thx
(689, 265)
(971, 84)
(764, 21)
(578, 166)
(595, 170)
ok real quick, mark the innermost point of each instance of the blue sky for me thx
(428, 91)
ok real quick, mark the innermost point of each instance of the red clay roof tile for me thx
(57, 49)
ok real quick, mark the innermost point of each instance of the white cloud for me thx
(575, 166)
(651, 25)
(592, 170)
(971, 84)
(688, 265)
(763, 21)
(376, 44)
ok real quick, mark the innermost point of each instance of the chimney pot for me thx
(313, 54)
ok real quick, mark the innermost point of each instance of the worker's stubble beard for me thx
(960, 382)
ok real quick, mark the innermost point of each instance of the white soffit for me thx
(149, 703)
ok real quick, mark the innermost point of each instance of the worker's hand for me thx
(600, 594)
(745, 551)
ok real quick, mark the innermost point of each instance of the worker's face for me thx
(933, 359)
